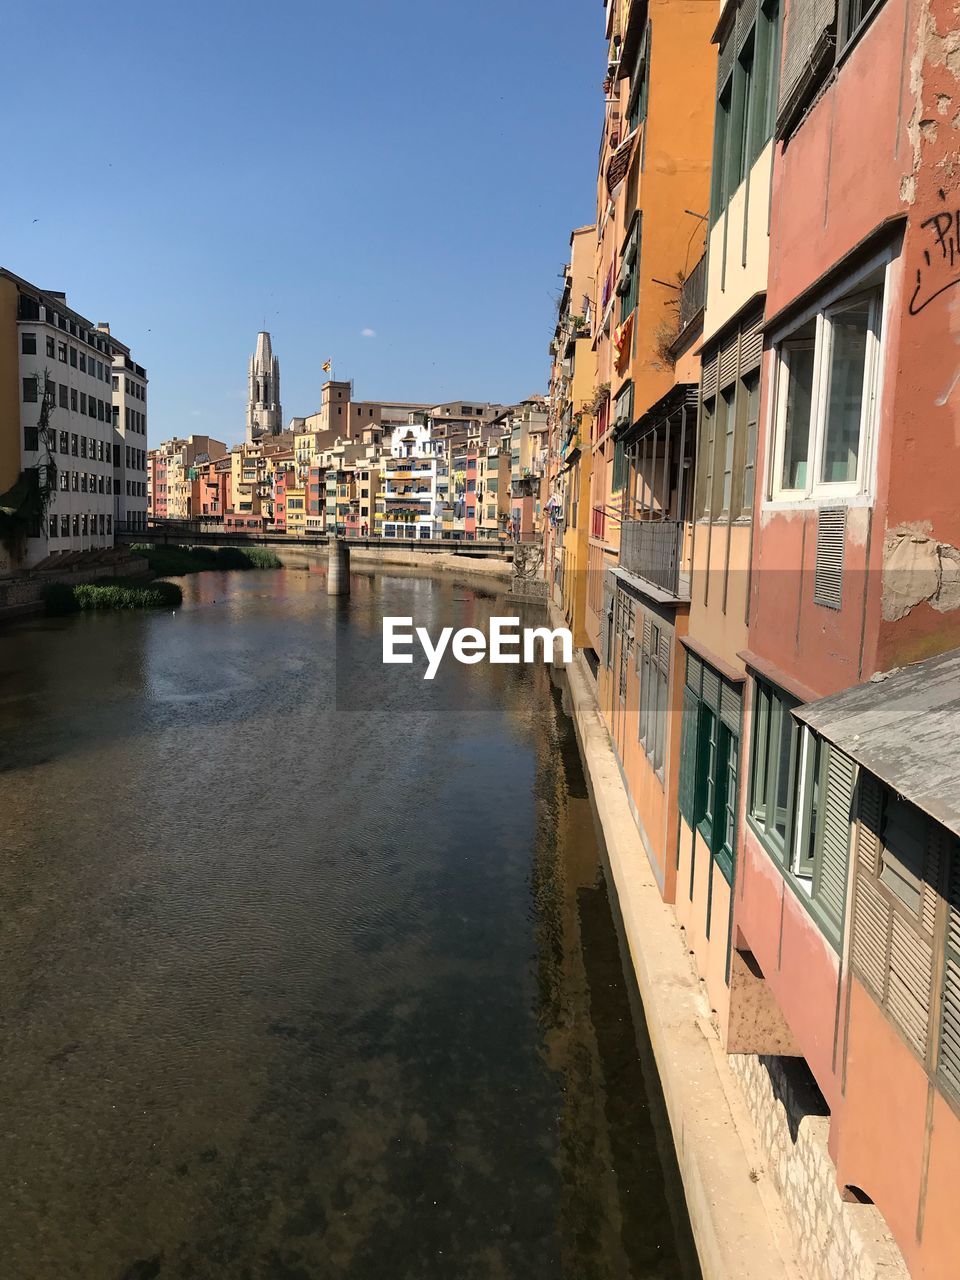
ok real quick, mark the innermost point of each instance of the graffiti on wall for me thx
(941, 258)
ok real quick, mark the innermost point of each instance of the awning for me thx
(904, 727)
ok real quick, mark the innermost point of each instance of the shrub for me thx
(263, 558)
(175, 562)
(60, 598)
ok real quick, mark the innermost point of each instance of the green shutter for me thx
(711, 689)
(730, 706)
(688, 755)
(830, 874)
(694, 673)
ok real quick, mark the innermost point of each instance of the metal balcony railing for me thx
(693, 293)
(653, 550)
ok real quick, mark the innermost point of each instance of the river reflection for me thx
(308, 966)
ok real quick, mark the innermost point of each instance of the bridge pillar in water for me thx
(338, 568)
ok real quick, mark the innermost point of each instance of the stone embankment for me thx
(22, 594)
(759, 1183)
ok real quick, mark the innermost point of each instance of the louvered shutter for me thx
(933, 875)
(729, 357)
(751, 348)
(871, 922)
(871, 913)
(830, 879)
(688, 756)
(909, 983)
(694, 673)
(891, 953)
(730, 706)
(868, 833)
(746, 17)
(948, 1065)
(725, 61)
(711, 689)
(708, 379)
(806, 28)
(663, 655)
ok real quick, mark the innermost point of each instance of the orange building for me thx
(653, 191)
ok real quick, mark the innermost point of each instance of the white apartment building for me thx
(130, 447)
(62, 473)
(415, 485)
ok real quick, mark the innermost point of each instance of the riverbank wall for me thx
(400, 557)
(759, 1183)
(22, 595)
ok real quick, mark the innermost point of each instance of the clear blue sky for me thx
(193, 172)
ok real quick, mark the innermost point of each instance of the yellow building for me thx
(567, 483)
(296, 512)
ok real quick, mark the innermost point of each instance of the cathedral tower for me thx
(264, 413)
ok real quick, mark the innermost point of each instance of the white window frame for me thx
(815, 485)
(874, 280)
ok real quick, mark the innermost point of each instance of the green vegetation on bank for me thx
(60, 598)
(175, 562)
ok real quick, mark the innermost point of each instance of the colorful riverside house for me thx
(727, 288)
(411, 474)
(573, 373)
(653, 193)
(296, 511)
(471, 496)
(315, 501)
(283, 478)
(845, 897)
(493, 496)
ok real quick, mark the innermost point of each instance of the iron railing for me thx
(653, 550)
(693, 293)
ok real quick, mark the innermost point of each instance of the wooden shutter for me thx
(694, 673)
(708, 378)
(871, 923)
(948, 1065)
(868, 832)
(711, 689)
(830, 879)
(751, 348)
(909, 982)
(688, 755)
(892, 954)
(730, 706)
(729, 358)
(663, 655)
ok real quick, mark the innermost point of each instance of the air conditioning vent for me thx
(828, 574)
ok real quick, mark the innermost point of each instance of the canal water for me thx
(308, 967)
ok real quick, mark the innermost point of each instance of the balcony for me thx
(693, 295)
(653, 550)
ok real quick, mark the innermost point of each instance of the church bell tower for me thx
(264, 412)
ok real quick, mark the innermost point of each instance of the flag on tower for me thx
(327, 366)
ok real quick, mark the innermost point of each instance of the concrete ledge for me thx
(738, 1219)
(441, 560)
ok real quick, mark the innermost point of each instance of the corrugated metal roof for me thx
(905, 728)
